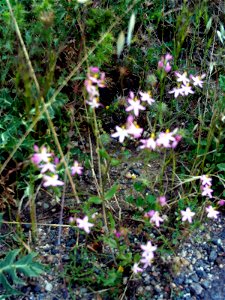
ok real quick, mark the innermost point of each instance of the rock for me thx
(48, 287)
(179, 279)
(206, 284)
(195, 278)
(196, 288)
(212, 256)
(201, 273)
(158, 288)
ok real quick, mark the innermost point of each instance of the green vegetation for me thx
(139, 168)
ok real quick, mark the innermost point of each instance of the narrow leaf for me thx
(130, 29)
(120, 43)
(111, 192)
(95, 200)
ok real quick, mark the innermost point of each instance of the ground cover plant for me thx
(113, 113)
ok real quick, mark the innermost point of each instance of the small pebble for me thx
(196, 288)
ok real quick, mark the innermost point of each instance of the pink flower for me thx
(133, 128)
(136, 269)
(164, 63)
(84, 224)
(167, 67)
(41, 155)
(150, 213)
(149, 143)
(187, 215)
(147, 97)
(160, 64)
(176, 141)
(168, 57)
(165, 138)
(162, 200)
(206, 180)
(94, 69)
(206, 191)
(117, 234)
(121, 134)
(52, 181)
(47, 167)
(91, 89)
(221, 202)
(212, 213)
(156, 219)
(76, 168)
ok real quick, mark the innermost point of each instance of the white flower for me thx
(136, 269)
(197, 80)
(135, 106)
(212, 213)
(52, 181)
(84, 224)
(187, 215)
(121, 134)
(147, 97)
(182, 77)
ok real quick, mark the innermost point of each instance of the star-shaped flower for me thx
(165, 138)
(52, 181)
(121, 133)
(212, 213)
(187, 215)
(47, 167)
(147, 261)
(182, 78)
(147, 97)
(41, 155)
(149, 143)
(187, 89)
(197, 80)
(136, 269)
(84, 224)
(206, 191)
(177, 92)
(148, 250)
(76, 168)
(206, 180)
(94, 102)
(156, 219)
(135, 106)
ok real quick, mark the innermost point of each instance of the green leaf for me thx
(150, 199)
(111, 221)
(10, 268)
(95, 200)
(140, 201)
(221, 166)
(138, 186)
(115, 162)
(103, 153)
(111, 242)
(111, 192)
